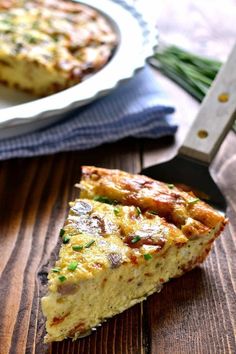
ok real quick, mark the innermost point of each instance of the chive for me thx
(153, 212)
(77, 248)
(136, 239)
(116, 211)
(170, 185)
(138, 211)
(30, 38)
(147, 256)
(62, 278)
(65, 239)
(89, 244)
(193, 201)
(72, 265)
(56, 270)
(193, 72)
(103, 199)
(62, 231)
(234, 126)
(55, 37)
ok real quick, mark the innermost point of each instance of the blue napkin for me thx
(136, 108)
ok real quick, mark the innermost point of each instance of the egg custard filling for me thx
(49, 45)
(123, 239)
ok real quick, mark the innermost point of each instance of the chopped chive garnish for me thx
(153, 212)
(62, 278)
(103, 199)
(89, 244)
(136, 239)
(147, 256)
(29, 38)
(72, 265)
(56, 270)
(77, 248)
(193, 201)
(62, 231)
(138, 211)
(116, 211)
(170, 185)
(66, 239)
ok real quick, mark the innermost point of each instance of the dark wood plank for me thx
(34, 196)
(197, 313)
(193, 314)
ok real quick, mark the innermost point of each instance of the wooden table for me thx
(193, 314)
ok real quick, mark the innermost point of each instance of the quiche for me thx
(123, 239)
(49, 45)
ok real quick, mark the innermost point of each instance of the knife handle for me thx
(215, 117)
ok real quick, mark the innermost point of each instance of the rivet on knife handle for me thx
(215, 117)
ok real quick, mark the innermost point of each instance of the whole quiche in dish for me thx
(49, 45)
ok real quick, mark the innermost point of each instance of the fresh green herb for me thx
(147, 256)
(116, 211)
(72, 265)
(234, 126)
(55, 37)
(89, 244)
(62, 231)
(77, 248)
(103, 199)
(65, 239)
(136, 239)
(138, 211)
(7, 21)
(153, 212)
(193, 201)
(62, 278)
(192, 72)
(56, 270)
(170, 185)
(30, 38)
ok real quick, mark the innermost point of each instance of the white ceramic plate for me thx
(21, 113)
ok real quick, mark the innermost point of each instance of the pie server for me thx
(215, 118)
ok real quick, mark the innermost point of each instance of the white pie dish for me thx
(21, 113)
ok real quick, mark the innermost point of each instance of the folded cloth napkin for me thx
(136, 108)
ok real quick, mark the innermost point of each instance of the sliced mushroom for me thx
(115, 259)
(82, 207)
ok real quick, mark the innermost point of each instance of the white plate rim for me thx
(145, 39)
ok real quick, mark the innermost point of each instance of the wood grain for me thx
(197, 313)
(193, 314)
(34, 195)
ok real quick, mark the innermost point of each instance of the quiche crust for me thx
(49, 45)
(115, 252)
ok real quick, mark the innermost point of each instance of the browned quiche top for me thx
(181, 208)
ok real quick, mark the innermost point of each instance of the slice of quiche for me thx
(123, 239)
(49, 45)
